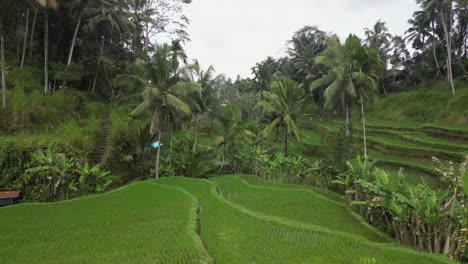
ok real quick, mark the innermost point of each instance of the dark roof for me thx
(9, 194)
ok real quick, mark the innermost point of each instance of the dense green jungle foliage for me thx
(372, 122)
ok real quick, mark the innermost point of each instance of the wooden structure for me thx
(9, 197)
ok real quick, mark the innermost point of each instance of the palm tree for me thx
(25, 38)
(445, 9)
(46, 4)
(77, 10)
(351, 72)
(363, 77)
(263, 73)
(304, 61)
(231, 131)
(379, 38)
(422, 27)
(202, 104)
(285, 102)
(340, 89)
(418, 29)
(107, 17)
(2, 59)
(165, 94)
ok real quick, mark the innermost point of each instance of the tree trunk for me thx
(147, 32)
(448, 40)
(2, 58)
(153, 120)
(195, 143)
(72, 47)
(436, 240)
(46, 50)
(344, 105)
(383, 82)
(158, 152)
(170, 147)
(363, 117)
(435, 58)
(285, 141)
(25, 42)
(462, 66)
(348, 130)
(224, 158)
(31, 40)
(448, 238)
(99, 62)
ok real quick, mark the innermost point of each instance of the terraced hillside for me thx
(141, 223)
(407, 145)
(181, 220)
(248, 232)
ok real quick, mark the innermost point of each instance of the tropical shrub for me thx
(186, 160)
(50, 174)
(434, 220)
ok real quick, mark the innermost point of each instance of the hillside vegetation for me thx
(428, 103)
(344, 149)
(144, 223)
(154, 223)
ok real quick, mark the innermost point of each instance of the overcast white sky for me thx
(232, 35)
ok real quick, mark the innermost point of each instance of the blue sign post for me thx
(156, 144)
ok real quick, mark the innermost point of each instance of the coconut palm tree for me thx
(165, 94)
(366, 61)
(445, 10)
(46, 4)
(351, 74)
(423, 26)
(338, 81)
(231, 131)
(285, 102)
(106, 17)
(263, 74)
(379, 38)
(202, 104)
(2, 59)
(78, 9)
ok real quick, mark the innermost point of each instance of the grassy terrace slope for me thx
(410, 145)
(141, 223)
(298, 205)
(235, 234)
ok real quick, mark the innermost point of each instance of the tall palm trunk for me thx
(383, 85)
(158, 154)
(31, 40)
(345, 106)
(101, 49)
(170, 146)
(25, 42)
(2, 55)
(446, 23)
(46, 49)
(72, 47)
(434, 50)
(285, 141)
(195, 143)
(363, 117)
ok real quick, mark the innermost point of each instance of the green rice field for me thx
(229, 219)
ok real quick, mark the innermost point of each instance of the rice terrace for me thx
(329, 132)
